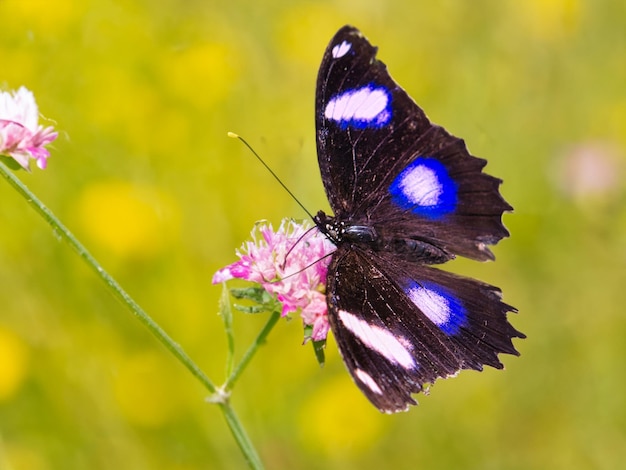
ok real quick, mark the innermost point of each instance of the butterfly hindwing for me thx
(383, 161)
(400, 325)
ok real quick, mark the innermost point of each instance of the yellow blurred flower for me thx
(303, 22)
(144, 391)
(127, 219)
(324, 419)
(202, 74)
(130, 111)
(13, 363)
(21, 456)
(551, 19)
(41, 17)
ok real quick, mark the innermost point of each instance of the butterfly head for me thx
(339, 231)
(329, 226)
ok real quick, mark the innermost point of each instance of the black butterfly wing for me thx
(401, 325)
(405, 194)
(383, 162)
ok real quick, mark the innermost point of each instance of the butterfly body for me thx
(348, 232)
(406, 195)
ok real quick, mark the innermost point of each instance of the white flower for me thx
(21, 136)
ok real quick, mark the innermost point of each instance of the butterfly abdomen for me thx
(415, 249)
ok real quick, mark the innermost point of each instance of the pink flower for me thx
(290, 263)
(21, 136)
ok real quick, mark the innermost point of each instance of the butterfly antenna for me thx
(300, 238)
(235, 136)
(303, 269)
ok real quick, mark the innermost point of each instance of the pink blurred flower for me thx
(590, 171)
(290, 264)
(21, 136)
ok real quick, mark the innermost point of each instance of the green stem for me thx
(247, 357)
(227, 316)
(239, 433)
(233, 422)
(115, 288)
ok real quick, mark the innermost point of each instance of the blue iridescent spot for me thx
(368, 106)
(425, 188)
(440, 306)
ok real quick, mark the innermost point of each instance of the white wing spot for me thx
(368, 381)
(341, 49)
(379, 340)
(432, 304)
(421, 186)
(365, 104)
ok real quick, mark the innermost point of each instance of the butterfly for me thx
(406, 195)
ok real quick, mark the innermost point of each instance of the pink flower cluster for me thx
(290, 263)
(21, 136)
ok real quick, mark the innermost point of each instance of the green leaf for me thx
(318, 346)
(256, 294)
(253, 309)
(10, 162)
(264, 300)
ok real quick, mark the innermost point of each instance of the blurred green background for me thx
(143, 93)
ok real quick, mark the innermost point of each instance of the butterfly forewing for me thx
(382, 161)
(405, 194)
(351, 86)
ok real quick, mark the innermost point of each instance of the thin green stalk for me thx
(239, 433)
(115, 288)
(247, 357)
(227, 316)
(233, 422)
